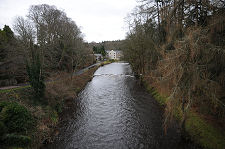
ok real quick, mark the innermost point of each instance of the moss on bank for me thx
(161, 99)
(204, 133)
(199, 130)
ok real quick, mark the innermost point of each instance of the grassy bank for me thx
(44, 114)
(201, 131)
(108, 62)
(105, 63)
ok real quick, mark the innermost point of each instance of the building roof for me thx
(98, 54)
(113, 51)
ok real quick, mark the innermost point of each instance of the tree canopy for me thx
(178, 46)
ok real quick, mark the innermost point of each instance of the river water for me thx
(115, 112)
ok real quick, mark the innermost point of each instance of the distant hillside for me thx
(109, 45)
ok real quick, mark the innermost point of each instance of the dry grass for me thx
(60, 94)
(187, 72)
(64, 87)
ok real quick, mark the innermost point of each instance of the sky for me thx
(99, 20)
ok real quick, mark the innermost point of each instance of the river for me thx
(115, 112)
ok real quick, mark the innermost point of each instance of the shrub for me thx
(3, 129)
(54, 116)
(3, 104)
(112, 60)
(169, 46)
(16, 117)
(16, 140)
(59, 107)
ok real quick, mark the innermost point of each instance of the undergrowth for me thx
(40, 118)
(197, 128)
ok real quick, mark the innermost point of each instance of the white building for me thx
(114, 54)
(98, 57)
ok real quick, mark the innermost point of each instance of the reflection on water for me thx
(113, 111)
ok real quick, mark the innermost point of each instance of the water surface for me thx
(114, 111)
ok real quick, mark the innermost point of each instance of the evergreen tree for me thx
(34, 71)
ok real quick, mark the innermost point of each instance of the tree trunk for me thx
(183, 131)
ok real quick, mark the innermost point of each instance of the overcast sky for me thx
(99, 20)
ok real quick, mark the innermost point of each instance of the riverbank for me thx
(59, 97)
(198, 129)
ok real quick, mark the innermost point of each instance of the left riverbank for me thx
(42, 117)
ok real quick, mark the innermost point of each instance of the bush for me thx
(16, 140)
(54, 116)
(2, 105)
(3, 129)
(169, 47)
(16, 117)
(112, 60)
(59, 107)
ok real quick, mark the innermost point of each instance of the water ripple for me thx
(113, 111)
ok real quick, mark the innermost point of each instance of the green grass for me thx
(161, 99)
(14, 89)
(204, 133)
(199, 130)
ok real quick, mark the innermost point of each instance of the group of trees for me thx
(178, 45)
(45, 41)
(108, 45)
(6, 40)
(113, 45)
(11, 69)
(99, 50)
(57, 38)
